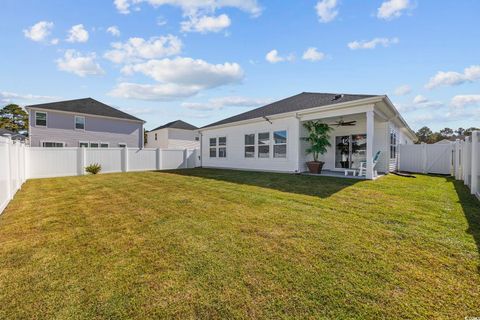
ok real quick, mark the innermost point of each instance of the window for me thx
(83, 144)
(393, 144)
(52, 144)
(104, 145)
(155, 137)
(122, 145)
(213, 147)
(280, 144)
(264, 145)
(222, 147)
(94, 144)
(218, 147)
(40, 119)
(197, 138)
(250, 145)
(79, 123)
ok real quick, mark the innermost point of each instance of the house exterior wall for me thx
(61, 128)
(235, 135)
(160, 142)
(173, 139)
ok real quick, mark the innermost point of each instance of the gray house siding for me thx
(61, 128)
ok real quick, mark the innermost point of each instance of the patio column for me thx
(370, 133)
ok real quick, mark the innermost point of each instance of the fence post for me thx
(82, 160)
(424, 157)
(125, 159)
(457, 159)
(9, 170)
(185, 162)
(159, 159)
(474, 162)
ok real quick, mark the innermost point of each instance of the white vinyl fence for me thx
(460, 159)
(18, 162)
(426, 158)
(12, 170)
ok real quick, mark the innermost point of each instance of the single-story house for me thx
(174, 135)
(269, 138)
(83, 123)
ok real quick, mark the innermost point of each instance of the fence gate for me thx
(427, 158)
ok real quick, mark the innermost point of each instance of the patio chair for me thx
(363, 165)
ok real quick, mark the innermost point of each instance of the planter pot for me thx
(315, 166)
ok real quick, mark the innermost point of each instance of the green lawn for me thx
(226, 244)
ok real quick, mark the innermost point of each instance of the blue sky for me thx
(204, 60)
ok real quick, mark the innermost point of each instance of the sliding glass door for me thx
(350, 151)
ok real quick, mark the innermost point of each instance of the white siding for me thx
(236, 141)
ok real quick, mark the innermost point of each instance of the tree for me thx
(468, 132)
(424, 134)
(446, 132)
(460, 131)
(13, 118)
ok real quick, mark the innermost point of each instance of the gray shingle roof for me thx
(302, 101)
(85, 106)
(177, 124)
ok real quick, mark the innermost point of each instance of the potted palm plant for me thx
(319, 140)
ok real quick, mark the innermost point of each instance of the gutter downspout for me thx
(201, 149)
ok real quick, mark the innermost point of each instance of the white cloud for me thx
(312, 54)
(177, 78)
(460, 101)
(392, 9)
(114, 31)
(206, 24)
(403, 90)
(193, 7)
(9, 97)
(188, 71)
(123, 6)
(81, 65)
(274, 57)
(161, 92)
(372, 44)
(452, 78)
(135, 49)
(77, 34)
(327, 10)
(39, 31)
(419, 99)
(220, 103)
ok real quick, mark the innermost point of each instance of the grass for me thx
(225, 244)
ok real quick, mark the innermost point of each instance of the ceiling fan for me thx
(342, 123)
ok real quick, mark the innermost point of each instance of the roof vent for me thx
(337, 97)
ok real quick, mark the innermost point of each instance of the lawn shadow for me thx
(471, 209)
(317, 186)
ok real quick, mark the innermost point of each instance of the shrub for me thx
(94, 168)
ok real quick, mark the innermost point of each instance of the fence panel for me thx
(142, 159)
(12, 169)
(426, 158)
(52, 162)
(4, 173)
(109, 158)
(173, 159)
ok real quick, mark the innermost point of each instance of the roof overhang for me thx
(82, 114)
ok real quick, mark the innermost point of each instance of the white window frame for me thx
(279, 144)
(85, 142)
(90, 144)
(75, 123)
(60, 142)
(269, 144)
(217, 147)
(222, 147)
(155, 135)
(122, 145)
(250, 145)
(104, 143)
(46, 120)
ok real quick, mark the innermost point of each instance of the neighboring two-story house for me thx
(174, 135)
(83, 123)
